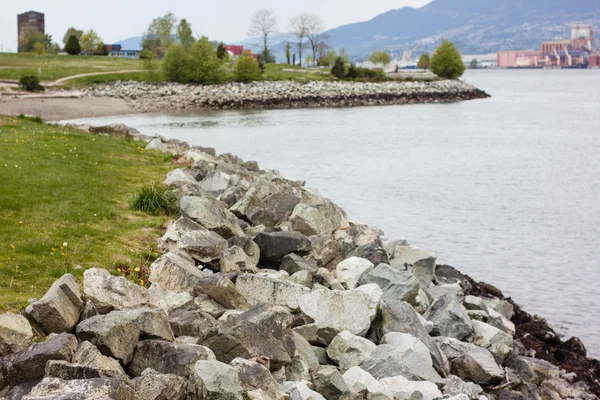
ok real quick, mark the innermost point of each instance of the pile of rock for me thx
(266, 291)
(285, 94)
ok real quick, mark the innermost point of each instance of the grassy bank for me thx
(64, 203)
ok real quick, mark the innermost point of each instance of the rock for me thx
(493, 339)
(28, 365)
(325, 278)
(258, 290)
(421, 263)
(245, 203)
(81, 389)
(222, 290)
(217, 381)
(317, 335)
(362, 385)
(157, 144)
(176, 271)
(210, 215)
(450, 318)
(350, 271)
(402, 388)
(154, 386)
(15, 333)
(374, 296)
(310, 221)
(168, 300)
(89, 311)
(499, 321)
(274, 246)
(303, 278)
(328, 381)
(399, 316)
(247, 244)
(115, 335)
(235, 259)
(478, 366)
(534, 370)
(297, 370)
(58, 311)
(282, 204)
(180, 177)
(292, 263)
(255, 378)
(263, 331)
(396, 284)
(203, 245)
(167, 358)
(501, 306)
(176, 230)
(89, 356)
(299, 391)
(216, 182)
(373, 252)
(341, 310)
(325, 250)
(304, 349)
(453, 348)
(152, 322)
(453, 386)
(68, 371)
(192, 323)
(109, 292)
(454, 290)
(206, 304)
(349, 350)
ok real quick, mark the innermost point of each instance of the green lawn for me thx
(64, 203)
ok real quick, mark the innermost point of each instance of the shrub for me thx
(222, 53)
(338, 70)
(380, 57)
(246, 69)
(352, 73)
(36, 119)
(72, 47)
(31, 83)
(447, 62)
(101, 50)
(203, 64)
(156, 200)
(146, 54)
(175, 64)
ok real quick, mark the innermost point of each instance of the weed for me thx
(156, 200)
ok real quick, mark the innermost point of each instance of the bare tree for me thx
(314, 32)
(262, 24)
(299, 26)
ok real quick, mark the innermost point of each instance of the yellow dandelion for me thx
(12, 246)
(141, 281)
(20, 222)
(137, 269)
(119, 270)
(63, 254)
(53, 249)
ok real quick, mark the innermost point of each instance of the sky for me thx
(224, 20)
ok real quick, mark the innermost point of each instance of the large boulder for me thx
(396, 284)
(115, 335)
(263, 331)
(325, 250)
(154, 386)
(152, 322)
(256, 380)
(81, 389)
(258, 290)
(274, 246)
(168, 300)
(349, 350)
(449, 317)
(15, 333)
(216, 182)
(222, 290)
(30, 364)
(350, 271)
(420, 262)
(167, 358)
(192, 323)
(300, 391)
(453, 348)
(293, 263)
(304, 349)
(180, 176)
(109, 292)
(157, 144)
(176, 271)
(211, 215)
(217, 381)
(235, 259)
(203, 245)
(478, 366)
(88, 355)
(339, 309)
(328, 381)
(492, 338)
(310, 221)
(362, 385)
(60, 308)
(402, 388)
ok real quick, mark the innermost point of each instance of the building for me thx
(235, 50)
(30, 19)
(116, 50)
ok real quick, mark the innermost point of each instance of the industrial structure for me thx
(578, 52)
(30, 19)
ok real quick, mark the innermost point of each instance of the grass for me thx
(275, 72)
(64, 202)
(88, 81)
(156, 200)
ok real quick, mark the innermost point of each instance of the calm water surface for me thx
(506, 189)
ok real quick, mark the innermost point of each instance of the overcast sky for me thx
(225, 20)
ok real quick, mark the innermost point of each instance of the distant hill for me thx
(134, 43)
(475, 26)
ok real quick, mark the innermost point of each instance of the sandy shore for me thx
(56, 109)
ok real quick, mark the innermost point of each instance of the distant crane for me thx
(407, 55)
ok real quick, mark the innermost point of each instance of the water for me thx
(506, 189)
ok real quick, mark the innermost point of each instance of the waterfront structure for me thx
(30, 19)
(116, 50)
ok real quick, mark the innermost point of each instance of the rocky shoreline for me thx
(267, 291)
(148, 97)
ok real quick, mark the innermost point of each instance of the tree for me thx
(184, 33)
(73, 47)
(380, 57)
(160, 32)
(288, 53)
(345, 56)
(339, 70)
(175, 64)
(474, 64)
(39, 49)
(424, 61)
(31, 36)
(204, 65)
(101, 50)
(314, 32)
(267, 58)
(447, 62)
(246, 69)
(298, 26)
(72, 32)
(90, 41)
(262, 24)
(222, 52)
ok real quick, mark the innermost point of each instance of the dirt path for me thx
(68, 78)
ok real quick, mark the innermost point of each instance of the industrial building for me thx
(578, 52)
(30, 19)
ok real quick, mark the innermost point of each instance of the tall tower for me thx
(30, 19)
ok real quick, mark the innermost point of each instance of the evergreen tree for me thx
(338, 70)
(222, 51)
(73, 47)
(424, 61)
(447, 62)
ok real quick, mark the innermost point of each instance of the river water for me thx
(506, 189)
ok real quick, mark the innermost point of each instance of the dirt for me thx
(537, 336)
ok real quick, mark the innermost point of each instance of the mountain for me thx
(134, 43)
(475, 26)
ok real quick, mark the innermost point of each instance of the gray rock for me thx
(217, 381)
(82, 389)
(180, 177)
(300, 391)
(168, 300)
(396, 284)
(176, 271)
(321, 354)
(453, 348)
(259, 290)
(450, 318)
(109, 292)
(478, 366)
(304, 349)
(403, 388)
(341, 310)
(152, 322)
(349, 350)
(453, 289)
(325, 250)
(58, 311)
(206, 304)
(154, 386)
(245, 203)
(167, 358)
(28, 365)
(535, 370)
(501, 306)
(203, 245)
(350, 271)
(303, 278)
(89, 356)
(328, 381)
(113, 334)
(192, 323)
(293, 263)
(15, 333)
(157, 144)
(317, 335)
(453, 386)
(176, 230)
(421, 263)
(222, 290)
(257, 381)
(362, 385)
(216, 182)
(297, 370)
(310, 221)
(211, 215)
(247, 244)
(235, 259)
(274, 246)
(68, 371)
(89, 311)
(497, 342)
